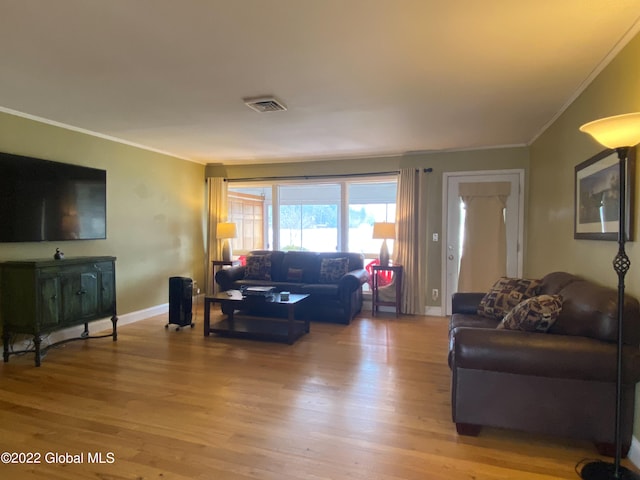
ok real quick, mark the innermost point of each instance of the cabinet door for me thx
(89, 294)
(107, 290)
(80, 296)
(49, 301)
(71, 306)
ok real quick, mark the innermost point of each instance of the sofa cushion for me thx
(308, 262)
(535, 314)
(505, 294)
(295, 275)
(469, 320)
(355, 260)
(591, 310)
(553, 283)
(320, 290)
(333, 269)
(258, 267)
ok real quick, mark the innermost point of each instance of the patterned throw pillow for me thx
(258, 267)
(294, 275)
(332, 269)
(505, 294)
(535, 314)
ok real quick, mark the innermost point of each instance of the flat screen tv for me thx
(41, 200)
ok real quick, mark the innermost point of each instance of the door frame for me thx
(444, 293)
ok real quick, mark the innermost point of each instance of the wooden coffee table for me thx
(278, 323)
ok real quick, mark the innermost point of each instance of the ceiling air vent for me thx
(264, 104)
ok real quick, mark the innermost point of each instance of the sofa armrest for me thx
(541, 354)
(466, 302)
(225, 277)
(352, 281)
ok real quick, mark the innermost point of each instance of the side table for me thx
(217, 264)
(397, 279)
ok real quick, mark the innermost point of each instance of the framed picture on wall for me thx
(597, 192)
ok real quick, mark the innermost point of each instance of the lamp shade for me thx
(384, 230)
(226, 230)
(615, 132)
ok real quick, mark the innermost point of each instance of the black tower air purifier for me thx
(180, 302)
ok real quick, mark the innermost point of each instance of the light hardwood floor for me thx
(364, 401)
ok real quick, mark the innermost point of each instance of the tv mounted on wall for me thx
(41, 200)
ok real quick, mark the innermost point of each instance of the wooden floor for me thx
(364, 401)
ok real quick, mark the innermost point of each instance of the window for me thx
(309, 217)
(250, 209)
(247, 212)
(312, 216)
(370, 203)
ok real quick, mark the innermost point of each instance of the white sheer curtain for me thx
(217, 213)
(411, 244)
(484, 244)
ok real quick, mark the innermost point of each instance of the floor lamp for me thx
(620, 133)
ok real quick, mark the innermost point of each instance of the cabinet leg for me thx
(114, 322)
(37, 340)
(291, 321)
(5, 341)
(207, 316)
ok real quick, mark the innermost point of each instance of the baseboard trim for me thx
(133, 317)
(366, 308)
(634, 452)
(433, 311)
(96, 326)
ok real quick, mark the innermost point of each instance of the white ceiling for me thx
(359, 77)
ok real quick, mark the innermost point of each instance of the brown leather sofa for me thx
(561, 382)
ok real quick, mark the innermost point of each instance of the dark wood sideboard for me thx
(39, 297)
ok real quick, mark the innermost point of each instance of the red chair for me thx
(384, 277)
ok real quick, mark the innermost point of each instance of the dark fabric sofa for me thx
(335, 300)
(561, 382)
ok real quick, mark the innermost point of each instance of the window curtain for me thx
(411, 233)
(217, 192)
(484, 244)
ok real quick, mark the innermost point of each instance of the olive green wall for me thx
(155, 206)
(491, 159)
(554, 155)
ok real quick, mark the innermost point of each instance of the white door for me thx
(453, 218)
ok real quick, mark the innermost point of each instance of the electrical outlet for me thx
(435, 237)
(435, 293)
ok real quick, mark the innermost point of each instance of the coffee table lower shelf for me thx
(278, 324)
(257, 328)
